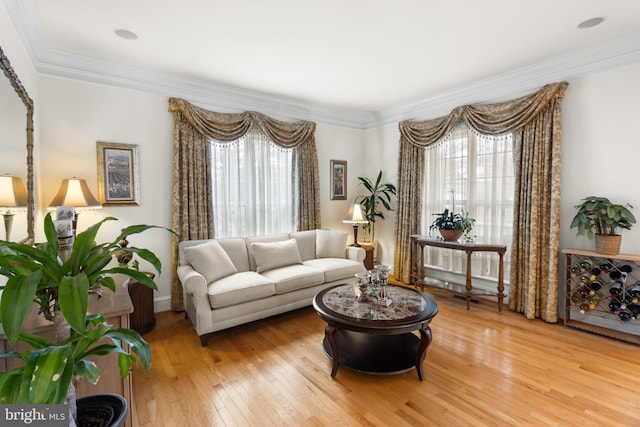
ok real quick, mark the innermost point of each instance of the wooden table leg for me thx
(468, 284)
(421, 269)
(501, 281)
(330, 334)
(425, 340)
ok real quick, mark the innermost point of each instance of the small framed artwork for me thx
(118, 175)
(338, 180)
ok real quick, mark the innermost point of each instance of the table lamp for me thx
(12, 195)
(75, 193)
(355, 217)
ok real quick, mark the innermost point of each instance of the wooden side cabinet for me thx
(602, 294)
(116, 308)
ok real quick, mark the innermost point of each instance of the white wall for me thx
(601, 148)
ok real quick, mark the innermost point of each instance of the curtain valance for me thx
(488, 119)
(231, 126)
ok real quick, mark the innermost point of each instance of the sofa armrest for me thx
(192, 281)
(356, 254)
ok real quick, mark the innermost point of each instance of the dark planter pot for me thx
(102, 410)
(451, 235)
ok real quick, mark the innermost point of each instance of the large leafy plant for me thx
(598, 215)
(61, 290)
(378, 197)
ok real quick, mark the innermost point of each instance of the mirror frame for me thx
(28, 103)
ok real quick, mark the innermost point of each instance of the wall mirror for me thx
(16, 146)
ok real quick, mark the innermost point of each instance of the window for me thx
(474, 172)
(254, 186)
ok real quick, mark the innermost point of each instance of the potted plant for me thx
(61, 287)
(453, 225)
(599, 217)
(378, 197)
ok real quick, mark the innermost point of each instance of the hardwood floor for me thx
(483, 368)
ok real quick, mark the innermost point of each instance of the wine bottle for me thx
(625, 315)
(574, 270)
(605, 267)
(614, 305)
(615, 288)
(593, 300)
(586, 265)
(596, 285)
(634, 309)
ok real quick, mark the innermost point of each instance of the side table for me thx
(143, 318)
(369, 263)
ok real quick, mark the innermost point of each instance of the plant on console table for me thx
(599, 217)
(59, 281)
(453, 225)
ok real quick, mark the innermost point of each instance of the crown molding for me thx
(522, 81)
(519, 82)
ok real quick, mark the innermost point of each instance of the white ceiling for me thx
(356, 58)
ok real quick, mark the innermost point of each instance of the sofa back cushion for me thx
(210, 260)
(331, 244)
(261, 239)
(275, 254)
(306, 241)
(236, 248)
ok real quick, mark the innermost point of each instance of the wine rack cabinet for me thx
(603, 294)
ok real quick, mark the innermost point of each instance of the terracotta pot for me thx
(451, 235)
(608, 244)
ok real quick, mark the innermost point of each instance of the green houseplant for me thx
(61, 289)
(600, 218)
(453, 225)
(378, 197)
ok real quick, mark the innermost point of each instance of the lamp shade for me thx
(74, 192)
(354, 216)
(12, 192)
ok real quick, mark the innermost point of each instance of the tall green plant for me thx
(378, 197)
(61, 289)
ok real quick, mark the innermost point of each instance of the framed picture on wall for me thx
(338, 180)
(118, 175)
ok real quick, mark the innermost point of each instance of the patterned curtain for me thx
(535, 122)
(192, 198)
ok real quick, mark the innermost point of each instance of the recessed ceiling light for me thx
(591, 22)
(126, 34)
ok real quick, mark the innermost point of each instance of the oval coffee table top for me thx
(406, 309)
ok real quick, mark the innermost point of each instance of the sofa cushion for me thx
(336, 268)
(293, 277)
(236, 248)
(239, 288)
(306, 241)
(249, 241)
(331, 244)
(210, 260)
(275, 254)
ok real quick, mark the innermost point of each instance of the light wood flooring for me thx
(483, 368)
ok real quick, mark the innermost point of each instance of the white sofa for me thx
(228, 282)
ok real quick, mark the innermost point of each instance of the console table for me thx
(116, 308)
(418, 243)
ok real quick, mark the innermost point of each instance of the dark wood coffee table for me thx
(374, 336)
